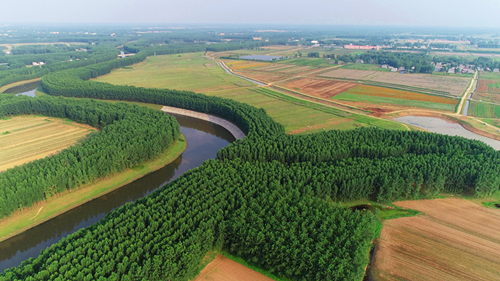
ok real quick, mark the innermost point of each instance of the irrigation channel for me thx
(24, 89)
(204, 140)
(440, 126)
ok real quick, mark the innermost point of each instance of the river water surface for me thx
(25, 89)
(440, 126)
(204, 140)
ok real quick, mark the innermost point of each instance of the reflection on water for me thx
(204, 140)
(440, 126)
(25, 89)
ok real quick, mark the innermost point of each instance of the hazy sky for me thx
(463, 13)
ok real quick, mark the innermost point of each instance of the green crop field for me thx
(314, 62)
(481, 109)
(378, 100)
(190, 72)
(365, 66)
(489, 75)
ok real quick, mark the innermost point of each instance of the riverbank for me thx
(16, 84)
(61, 203)
(233, 129)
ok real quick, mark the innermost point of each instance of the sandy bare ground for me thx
(224, 269)
(233, 129)
(455, 239)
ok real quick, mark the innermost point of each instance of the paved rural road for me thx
(233, 129)
(467, 95)
(232, 73)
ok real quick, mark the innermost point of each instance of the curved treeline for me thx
(254, 122)
(27, 73)
(129, 135)
(266, 198)
(255, 210)
(459, 165)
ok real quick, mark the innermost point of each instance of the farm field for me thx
(444, 85)
(225, 269)
(278, 50)
(482, 109)
(454, 239)
(488, 87)
(187, 72)
(318, 87)
(378, 95)
(190, 73)
(26, 138)
(365, 66)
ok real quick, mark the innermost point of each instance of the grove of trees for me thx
(128, 135)
(267, 198)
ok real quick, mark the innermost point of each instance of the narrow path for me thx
(229, 71)
(466, 95)
(37, 213)
(233, 129)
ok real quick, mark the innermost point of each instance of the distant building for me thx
(35, 63)
(359, 47)
(360, 61)
(257, 38)
(385, 66)
(393, 69)
(451, 70)
(402, 68)
(41, 63)
(496, 70)
(314, 42)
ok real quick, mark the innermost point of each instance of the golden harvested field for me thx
(454, 239)
(318, 87)
(225, 269)
(27, 138)
(454, 86)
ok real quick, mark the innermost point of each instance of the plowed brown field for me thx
(454, 239)
(225, 269)
(319, 88)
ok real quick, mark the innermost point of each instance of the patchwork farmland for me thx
(373, 97)
(483, 109)
(27, 138)
(319, 87)
(454, 239)
(423, 83)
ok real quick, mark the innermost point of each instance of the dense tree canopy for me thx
(128, 136)
(266, 198)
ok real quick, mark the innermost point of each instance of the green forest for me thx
(128, 135)
(267, 198)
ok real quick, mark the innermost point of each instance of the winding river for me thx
(27, 89)
(204, 140)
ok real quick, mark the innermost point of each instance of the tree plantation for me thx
(129, 135)
(267, 198)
